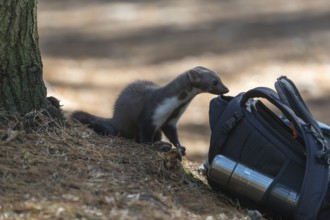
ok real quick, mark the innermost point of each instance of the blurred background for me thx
(91, 49)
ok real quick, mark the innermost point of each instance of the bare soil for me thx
(92, 49)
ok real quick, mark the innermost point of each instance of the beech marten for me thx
(143, 109)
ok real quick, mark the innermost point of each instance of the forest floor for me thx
(53, 170)
(92, 49)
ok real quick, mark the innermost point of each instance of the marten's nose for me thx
(226, 90)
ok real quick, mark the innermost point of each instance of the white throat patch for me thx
(166, 108)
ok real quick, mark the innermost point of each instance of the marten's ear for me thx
(194, 76)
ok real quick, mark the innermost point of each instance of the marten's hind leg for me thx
(159, 144)
(157, 136)
(147, 132)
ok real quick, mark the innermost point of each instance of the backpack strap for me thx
(290, 95)
(316, 176)
(316, 179)
(228, 119)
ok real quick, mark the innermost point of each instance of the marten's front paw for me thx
(172, 159)
(162, 146)
(182, 150)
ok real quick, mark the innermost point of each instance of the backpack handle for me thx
(272, 97)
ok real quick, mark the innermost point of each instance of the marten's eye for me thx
(214, 82)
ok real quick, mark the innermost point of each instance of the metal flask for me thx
(252, 184)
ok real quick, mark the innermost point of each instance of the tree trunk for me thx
(21, 85)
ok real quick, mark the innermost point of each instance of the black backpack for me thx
(276, 164)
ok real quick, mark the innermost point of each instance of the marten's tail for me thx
(99, 125)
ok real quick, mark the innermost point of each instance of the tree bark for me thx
(21, 85)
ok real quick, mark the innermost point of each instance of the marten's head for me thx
(207, 81)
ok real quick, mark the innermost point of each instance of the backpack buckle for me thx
(324, 157)
(324, 154)
(232, 122)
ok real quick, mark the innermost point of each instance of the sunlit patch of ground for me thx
(91, 50)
